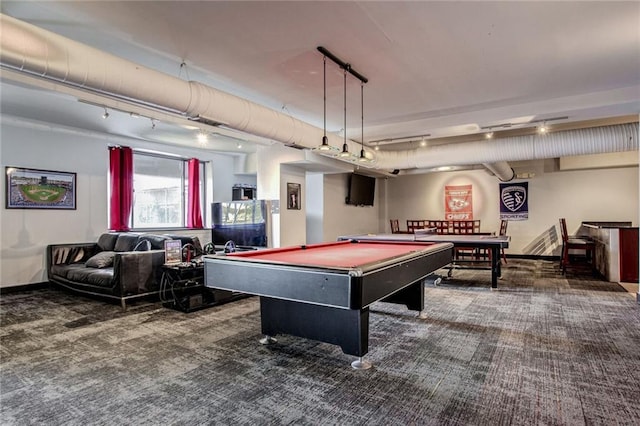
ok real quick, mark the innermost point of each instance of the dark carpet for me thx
(542, 349)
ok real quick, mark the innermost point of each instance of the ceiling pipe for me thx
(38, 52)
(595, 140)
(502, 170)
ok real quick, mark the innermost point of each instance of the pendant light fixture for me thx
(363, 158)
(345, 148)
(344, 154)
(325, 140)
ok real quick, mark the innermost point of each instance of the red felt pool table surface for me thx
(341, 254)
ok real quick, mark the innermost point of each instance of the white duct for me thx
(35, 51)
(596, 140)
(502, 170)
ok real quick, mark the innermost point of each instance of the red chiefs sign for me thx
(458, 204)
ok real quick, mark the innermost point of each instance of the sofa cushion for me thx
(63, 270)
(157, 241)
(107, 241)
(98, 277)
(126, 242)
(103, 259)
(101, 277)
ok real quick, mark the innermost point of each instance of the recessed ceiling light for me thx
(542, 128)
(202, 137)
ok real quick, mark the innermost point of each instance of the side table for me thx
(182, 288)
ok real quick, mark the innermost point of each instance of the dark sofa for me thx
(119, 266)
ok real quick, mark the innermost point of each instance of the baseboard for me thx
(24, 287)
(533, 257)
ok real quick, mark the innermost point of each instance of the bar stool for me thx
(575, 243)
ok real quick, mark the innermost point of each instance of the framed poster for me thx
(40, 189)
(458, 202)
(293, 196)
(514, 203)
(172, 252)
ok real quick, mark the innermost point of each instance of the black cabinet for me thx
(243, 193)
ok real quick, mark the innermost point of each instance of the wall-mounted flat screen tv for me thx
(362, 190)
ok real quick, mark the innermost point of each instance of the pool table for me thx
(323, 291)
(480, 241)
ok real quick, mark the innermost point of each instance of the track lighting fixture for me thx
(106, 114)
(540, 125)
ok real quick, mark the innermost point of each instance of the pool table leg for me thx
(347, 328)
(496, 270)
(268, 340)
(412, 296)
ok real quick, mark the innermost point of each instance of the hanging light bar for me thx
(345, 66)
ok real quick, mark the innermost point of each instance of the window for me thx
(160, 191)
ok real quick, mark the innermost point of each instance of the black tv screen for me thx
(362, 190)
(243, 222)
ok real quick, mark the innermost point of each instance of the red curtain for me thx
(194, 214)
(121, 172)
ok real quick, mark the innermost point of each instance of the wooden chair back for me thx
(576, 243)
(563, 230)
(412, 225)
(465, 226)
(503, 227)
(395, 226)
(442, 226)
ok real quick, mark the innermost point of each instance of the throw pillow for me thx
(104, 259)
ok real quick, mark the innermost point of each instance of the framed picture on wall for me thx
(40, 189)
(293, 196)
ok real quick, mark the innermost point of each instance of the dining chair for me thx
(441, 226)
(503, 232)
(575, 243)
(412, 225)
(395, 226)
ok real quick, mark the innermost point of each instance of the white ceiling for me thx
(435, 68)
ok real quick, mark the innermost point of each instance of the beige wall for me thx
(342, 219)
(580, 195)
(24, 234)
(598, 194)
(293, 228)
